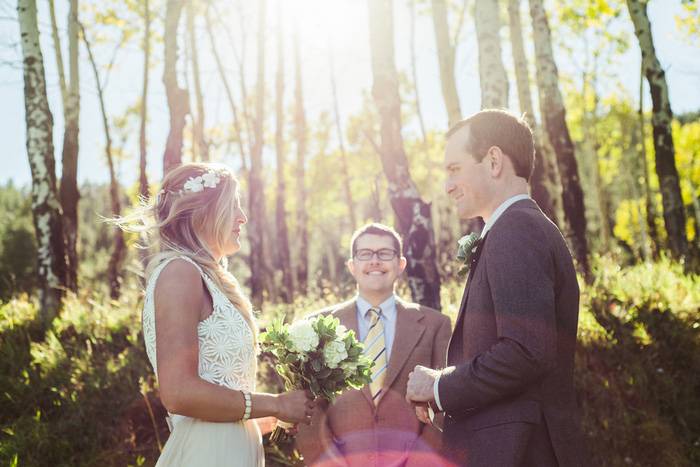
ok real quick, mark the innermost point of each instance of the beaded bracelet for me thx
(248, 406)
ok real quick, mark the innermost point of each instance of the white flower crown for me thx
(194, 185)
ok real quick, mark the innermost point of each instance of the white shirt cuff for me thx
(436, 394)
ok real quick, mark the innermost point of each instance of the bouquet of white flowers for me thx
(317, 354)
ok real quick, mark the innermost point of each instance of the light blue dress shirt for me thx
(388, 317)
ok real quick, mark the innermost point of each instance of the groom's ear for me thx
(351, 266)
(402, 264)
(496, 160)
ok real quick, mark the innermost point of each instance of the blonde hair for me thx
(175, 223)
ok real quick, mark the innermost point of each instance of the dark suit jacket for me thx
(356, 432)
(508, 390)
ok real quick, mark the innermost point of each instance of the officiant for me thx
(375, 425)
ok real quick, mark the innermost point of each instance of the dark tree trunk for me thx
(412, 214)
(674, 209)
(143, 179)
(554, 116)
(70, 195)
(302, 269)
(282, 241)
(258, 270)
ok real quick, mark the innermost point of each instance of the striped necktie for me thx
(375, 348)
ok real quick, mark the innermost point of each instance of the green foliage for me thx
(17, 244)
(80, 393)
(638, 365)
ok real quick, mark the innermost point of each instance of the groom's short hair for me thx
(498, 127)
(376, 228)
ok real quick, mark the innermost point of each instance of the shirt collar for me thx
(388, 307)
(501, 209)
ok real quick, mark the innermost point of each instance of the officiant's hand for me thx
(295, 406)
(420, 385)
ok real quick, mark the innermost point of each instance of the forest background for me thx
(333, 113)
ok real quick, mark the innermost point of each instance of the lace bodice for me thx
(226, 347)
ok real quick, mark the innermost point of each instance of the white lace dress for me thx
(227, 358)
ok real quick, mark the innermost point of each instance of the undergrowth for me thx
(83, 393)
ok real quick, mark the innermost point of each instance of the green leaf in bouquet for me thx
(316, 365)
(323, 374)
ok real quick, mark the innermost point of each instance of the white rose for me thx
(341, 330)
(334, 352)
(303, 336)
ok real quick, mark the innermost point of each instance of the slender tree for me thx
(648, 200)
(302, 269)
(554, 116)
(178, 99)
(540, 187)
(118, 243)
(143, 178)
(344, 169)
(45, 207)
(198, 127)
(492, 74)
(282, 241)
(446, 58)
(412, 214)
(672, 201)
(70, 93)
(258, 273)
(234, 108)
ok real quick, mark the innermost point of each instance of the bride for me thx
(199, 328)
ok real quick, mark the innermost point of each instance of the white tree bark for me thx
(446, 58)
(45, 206)
(492, 74)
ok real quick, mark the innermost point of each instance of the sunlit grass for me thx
(80, 392)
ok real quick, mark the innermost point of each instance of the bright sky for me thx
(343, 21)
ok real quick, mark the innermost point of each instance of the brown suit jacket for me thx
(356, 432)
(508, 391)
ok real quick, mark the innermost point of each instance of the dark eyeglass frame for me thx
(382, 255)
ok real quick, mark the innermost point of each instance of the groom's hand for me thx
(420, 385)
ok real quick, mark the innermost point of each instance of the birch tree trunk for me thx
(118, 243)
(674, 211)
(282, 241)
(540, 188)
(446, 58)
(258, 271)
(554, 116)
(492, 74)
(302, 270)
(412, 214)
(143, 179)
(198, 127)
(45, 207)
(178, 99)
(345, 171)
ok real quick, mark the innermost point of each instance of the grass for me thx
(82, 393)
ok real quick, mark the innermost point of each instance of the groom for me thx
(507, 391)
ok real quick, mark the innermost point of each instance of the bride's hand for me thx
(295, 406)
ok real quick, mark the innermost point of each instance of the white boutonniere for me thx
(467, 252)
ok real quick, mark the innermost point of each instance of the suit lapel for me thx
(408, 333)
(348, 316)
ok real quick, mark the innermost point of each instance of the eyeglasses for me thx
(385, 254)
